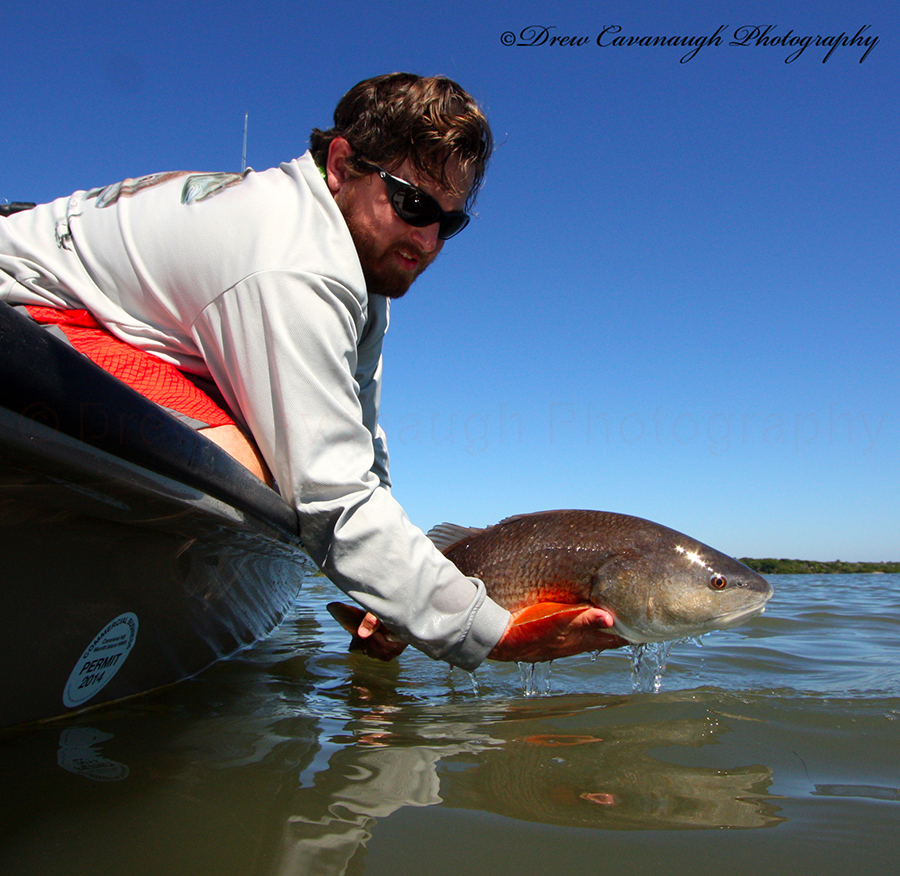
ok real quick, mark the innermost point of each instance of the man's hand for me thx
(548, 630)
(370, 635)
(376, 640)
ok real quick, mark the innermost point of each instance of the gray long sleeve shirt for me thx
(253, 280)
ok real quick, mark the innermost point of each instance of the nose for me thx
(427, 237)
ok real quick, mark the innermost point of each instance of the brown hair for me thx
(400, 116)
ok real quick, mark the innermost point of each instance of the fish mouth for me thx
(729, 619)
(724, 621)
(732, 618)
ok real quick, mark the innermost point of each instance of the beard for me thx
(384, 276)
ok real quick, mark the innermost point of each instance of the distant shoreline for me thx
(804, 567)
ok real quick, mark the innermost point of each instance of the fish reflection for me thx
(612, 782)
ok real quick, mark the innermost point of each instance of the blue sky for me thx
(679, 296)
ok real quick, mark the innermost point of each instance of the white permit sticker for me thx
(101, 660)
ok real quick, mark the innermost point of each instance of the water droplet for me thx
(648, 663)
(535, 678)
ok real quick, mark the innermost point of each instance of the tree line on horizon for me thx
(769, 566)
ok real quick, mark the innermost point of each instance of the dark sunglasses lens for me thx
(452, 224)
(415, 207)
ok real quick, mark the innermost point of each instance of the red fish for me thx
(657, 583)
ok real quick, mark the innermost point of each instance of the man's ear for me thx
(336, 170)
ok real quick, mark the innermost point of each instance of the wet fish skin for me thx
(658, 583)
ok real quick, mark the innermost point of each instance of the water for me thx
(772, 748)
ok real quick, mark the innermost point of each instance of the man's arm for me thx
(283, 348)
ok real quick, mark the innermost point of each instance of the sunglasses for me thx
(418, 208)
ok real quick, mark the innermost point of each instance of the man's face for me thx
(393, 253)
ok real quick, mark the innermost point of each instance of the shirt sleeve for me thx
(368, 376)
(283, 347)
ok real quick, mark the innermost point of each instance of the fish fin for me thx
(349, 617)
(555, 739)
(536, 619)
(445, 535)
(543, 611)
(513, 518)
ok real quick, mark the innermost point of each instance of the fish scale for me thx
(548, 557)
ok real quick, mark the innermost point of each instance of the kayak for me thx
(135, 552)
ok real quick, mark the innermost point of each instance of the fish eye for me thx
(718, 582)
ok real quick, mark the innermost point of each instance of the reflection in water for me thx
(870, 792)
(196, 783)
(297, 759)
(512, 767)
(79, 754)
(336, 817)
(613, 782)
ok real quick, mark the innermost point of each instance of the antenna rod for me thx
(244, 153)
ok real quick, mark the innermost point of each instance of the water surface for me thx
(771, 748)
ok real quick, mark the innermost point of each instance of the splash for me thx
(535, 678)
(648, 663)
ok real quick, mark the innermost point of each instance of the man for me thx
(276, 286)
